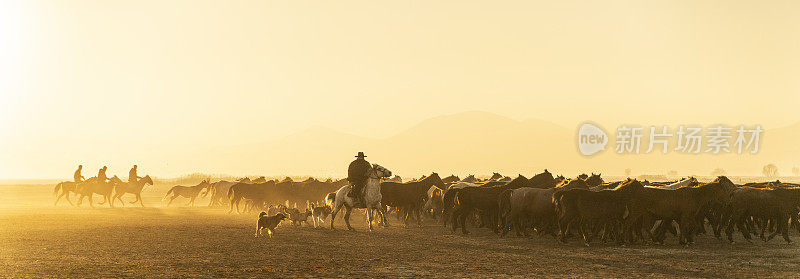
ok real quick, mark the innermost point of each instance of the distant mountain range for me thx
(481, 142)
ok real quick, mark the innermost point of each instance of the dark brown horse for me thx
(682, 205)
(451, 179)
(409, 197)
(470, 179)
(773, 205)
(594, 180)
(591, 211)
(484, 199)
(543, 180)
(256, 194)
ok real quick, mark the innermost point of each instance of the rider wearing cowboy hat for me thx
(357, 175)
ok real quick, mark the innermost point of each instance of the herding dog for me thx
(268, 222)
(297, 217)
(319, 214)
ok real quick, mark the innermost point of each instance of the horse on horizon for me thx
(135, 188)
(189, 192)
(65, 187)
(92, 186)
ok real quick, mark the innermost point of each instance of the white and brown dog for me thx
(268, 222)
(319, 214)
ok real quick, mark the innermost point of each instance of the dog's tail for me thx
(262, 214)
(330, 199)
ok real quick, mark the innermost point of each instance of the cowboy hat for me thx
(360, 155)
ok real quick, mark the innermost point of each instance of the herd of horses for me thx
(587, 207)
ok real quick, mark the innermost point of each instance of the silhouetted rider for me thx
(357, 175)
(77, 176)
(132, 177)
(101, 175)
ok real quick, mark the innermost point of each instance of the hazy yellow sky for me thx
(107, 82)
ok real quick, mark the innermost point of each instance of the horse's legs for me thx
(336, 209)
(116, 197)
(419, 219)
(172, 199)
(235, 202)
(139, 198)
(369, 217)
(231, 205)
(382, 210)
(59, 198)
(463, 220)
(406, 214)
(66, 193)
(785, 225)
(763, 226)
(454, 218)
(192, 201)
(347, 217)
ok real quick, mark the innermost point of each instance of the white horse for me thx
(435, 195)
(372, 197)
(686, 182)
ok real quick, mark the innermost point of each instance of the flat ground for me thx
(38, 240)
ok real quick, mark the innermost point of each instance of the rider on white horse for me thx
(371, 197)
(357, 175)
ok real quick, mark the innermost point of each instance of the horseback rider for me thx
(357, 175)
(77, 176)
(101, 175)
(132, 177)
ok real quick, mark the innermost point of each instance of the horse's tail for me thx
(330, 199)
(168, 192)
(58, 187)
(558, 202)
(209, 189)
(457, 199)
(230, 192)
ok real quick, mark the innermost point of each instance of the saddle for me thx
(358, 197)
